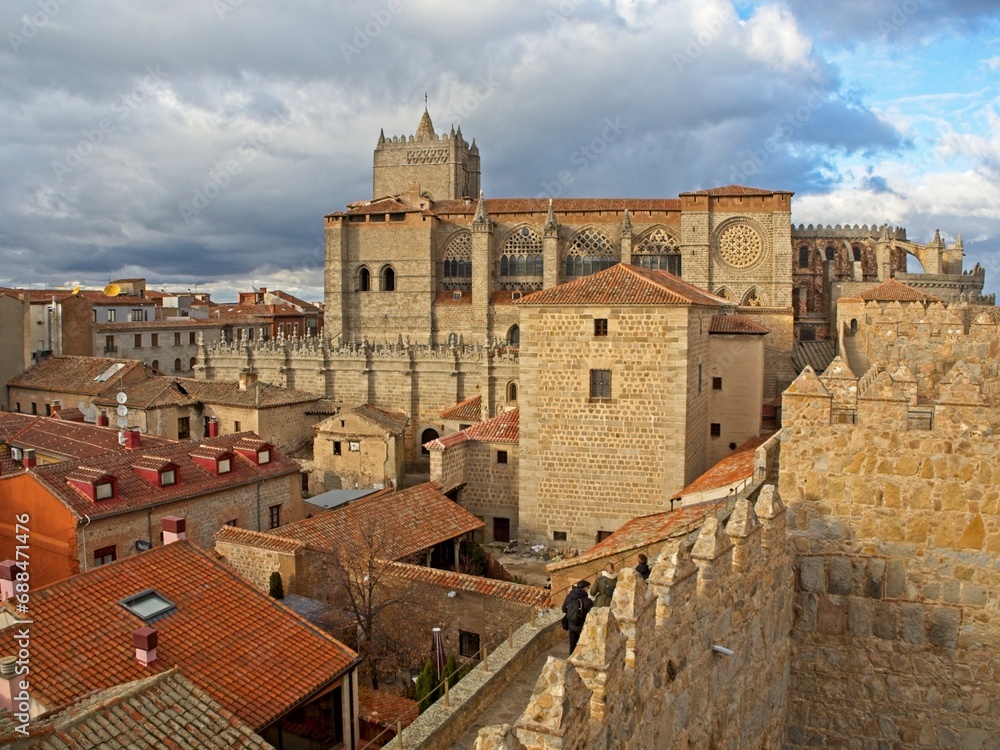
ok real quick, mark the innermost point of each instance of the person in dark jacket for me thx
(578, 592)
(643, 567)
(604, 586)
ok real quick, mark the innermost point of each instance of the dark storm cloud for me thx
(206, 141)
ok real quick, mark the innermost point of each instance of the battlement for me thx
(669, 643)
(848, 231)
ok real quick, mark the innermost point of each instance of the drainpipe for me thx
(258, 505)
(84, 533)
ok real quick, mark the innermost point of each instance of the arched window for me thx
(589, 253)
(521, 256)
(804, 257)
(388, 279)
(425, 437)
(177, 365)
(514, 335)
(155, 366)
(364, 280)
(512, 392)
(194, 360)
(831, 253)
(457, 268)
(658, 251)
(857, 253)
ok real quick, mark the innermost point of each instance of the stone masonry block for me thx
(943, 629)
(913, 623)
(860, 617)
(895, 579)
(811, 575)
(841, 571)
(831, 618)
(886, 620)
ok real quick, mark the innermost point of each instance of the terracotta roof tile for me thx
(62, 439)
(162, 710)
(258, 540)
(175, 323)
(421, 515)
(74, 374)
(446, 579)
(134, 492)
(736, 191)
(502, 428)
(385, 709)
(447, 441)
(154, 392)
(470, 410)
(623, 284)
(729, 471)
(252, 655)
(736, 324)
(392, 421)
(380, 206)
(498, 206)
(221, 392)
(896, 291)
(450, 298)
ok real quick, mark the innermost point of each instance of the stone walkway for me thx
(507, 708)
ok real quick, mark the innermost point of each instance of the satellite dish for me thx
(76, 289)
(112, 290)
(123, 422)
(123, 411)
(122, 397)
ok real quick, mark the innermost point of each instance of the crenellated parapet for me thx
(697, 656)
(848, 231)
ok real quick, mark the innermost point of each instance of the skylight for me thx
(116, 367)
(148, 605)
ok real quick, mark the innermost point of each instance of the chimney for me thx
(247, 379)
(102, 420)
(213, 427)
(174, 529)
(9, 683)
(133, 439)
(8, 575)
(144, 639)
(29, 459)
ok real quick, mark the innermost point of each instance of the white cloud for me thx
(774, 38)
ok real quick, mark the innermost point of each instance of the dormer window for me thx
(168, 477)
(104, 491)
(225, 465)
(264, 457)
(254, 450)
(159, 472)
(96, 484)
(213, 459)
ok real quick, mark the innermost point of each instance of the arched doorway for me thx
(426, 436)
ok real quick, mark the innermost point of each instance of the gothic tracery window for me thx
(589, 253)
(458, 262)
(521, 256)
(658, 251)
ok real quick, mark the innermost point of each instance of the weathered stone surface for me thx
(841, 572)
(943, 629)
(812, 576)
(913, 623)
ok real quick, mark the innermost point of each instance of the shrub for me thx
(275, 587)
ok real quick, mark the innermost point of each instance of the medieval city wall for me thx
(417, 380)
(645, 673)
(895, 524)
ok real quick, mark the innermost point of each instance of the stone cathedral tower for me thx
(446, 167)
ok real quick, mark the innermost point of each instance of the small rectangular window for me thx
(177, 339)
(192, 337)
(468, 644)
(183, 428)
(304, 479)
(225, 465)
(111, 316)
(48, 410)
(138, 341)
(154, 339)
(699, 378)
(501, 529)
(600, 385)
(716, 384)
(168, 477)
(600, 326)
(104, 491)
(501, 457)
(231, 522)
(602, 535)
(558, 536)
(336, 447)
(34, 408)
(236, 426)
(105, 555)
(354, 446)
(275, 516)
(715, 429)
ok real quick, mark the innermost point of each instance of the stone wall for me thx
(896, 527)
(490, 491)
(645, 673)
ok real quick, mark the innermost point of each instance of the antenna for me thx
(112, 290)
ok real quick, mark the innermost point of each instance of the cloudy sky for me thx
(200, 144)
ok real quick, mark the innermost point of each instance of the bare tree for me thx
(375, 601)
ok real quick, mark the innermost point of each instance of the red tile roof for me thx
(498, 206)
(502, 428)
(448, 580)
(380, 206)
(385, 709)
(62, 439)
(728, 472)
(257, 540)
(133, 492)
(69, 415)
(392, 421)
(896, 291)
(449, 298)
(416, 519)
(162, 710)
(624, 284)
(736, 324)
(736, 191)
(470, 410)
(256, 395)
(75, 374)
(645, 531)
(252, 655)
(155, 392)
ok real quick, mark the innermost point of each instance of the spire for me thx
(626, 223)
(958, 241)
(381, 136)
(481, 217)
(550, 218)
(937, 238)
(474, 149)
(425, 130)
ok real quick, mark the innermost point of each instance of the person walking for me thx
(604, 586)
(576, 606)
(643, 567)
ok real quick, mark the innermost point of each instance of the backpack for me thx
(574, 611)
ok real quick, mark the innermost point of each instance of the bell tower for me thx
(446, 167)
